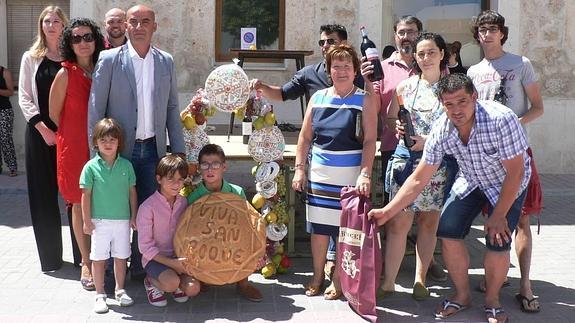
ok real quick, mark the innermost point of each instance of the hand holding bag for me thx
(359, 254)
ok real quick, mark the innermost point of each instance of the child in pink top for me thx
(156, 221)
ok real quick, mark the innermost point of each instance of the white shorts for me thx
(110, 236)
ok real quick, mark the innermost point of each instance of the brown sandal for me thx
(331, 293)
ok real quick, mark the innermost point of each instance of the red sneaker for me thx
(180, 296)
(155, 296)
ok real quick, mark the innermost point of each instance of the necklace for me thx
(345, 96)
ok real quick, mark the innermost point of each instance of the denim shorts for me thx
(154, 269)
(458, 214)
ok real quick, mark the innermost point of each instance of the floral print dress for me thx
(421, 101)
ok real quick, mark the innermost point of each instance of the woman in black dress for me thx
(37, 71)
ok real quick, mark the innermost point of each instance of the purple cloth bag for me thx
(358, 254)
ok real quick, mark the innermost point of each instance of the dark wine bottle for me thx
(246, 129)
(501, 95)
(405, 119)
(369, 50)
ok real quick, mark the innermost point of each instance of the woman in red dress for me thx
(80, 45)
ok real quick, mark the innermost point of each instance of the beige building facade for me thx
(538, 30)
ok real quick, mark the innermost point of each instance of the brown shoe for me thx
(249, 292)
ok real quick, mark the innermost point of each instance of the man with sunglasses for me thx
(311, 78)
(510, 79)
(136, 85)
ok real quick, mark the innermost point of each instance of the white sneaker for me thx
(179, 296)
(100, 306)
(123, 299)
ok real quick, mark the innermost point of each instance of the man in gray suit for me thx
(136, 85)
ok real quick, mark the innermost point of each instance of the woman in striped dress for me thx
(338, 139)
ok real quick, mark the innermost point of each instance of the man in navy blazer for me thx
(136, 85)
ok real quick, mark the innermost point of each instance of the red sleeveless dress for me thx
(72, 135)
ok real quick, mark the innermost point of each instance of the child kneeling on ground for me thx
(109, 207)
(212, 167)
(156, 222)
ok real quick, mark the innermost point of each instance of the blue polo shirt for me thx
(311, 79)
(110, 187)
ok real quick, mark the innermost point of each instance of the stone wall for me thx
(540, 30)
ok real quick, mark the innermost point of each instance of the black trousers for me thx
(43, 199)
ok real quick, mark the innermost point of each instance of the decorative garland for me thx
(227, 88)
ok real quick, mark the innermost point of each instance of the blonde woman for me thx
(37, 71)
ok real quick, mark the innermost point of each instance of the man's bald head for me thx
(141, 8)
(115, 12)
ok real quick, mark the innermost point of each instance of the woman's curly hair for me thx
(66, 39)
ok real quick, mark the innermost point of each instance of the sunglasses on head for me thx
(88, 38)
(322, 42)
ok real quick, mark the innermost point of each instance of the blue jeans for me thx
(144, 160)
(458, 214)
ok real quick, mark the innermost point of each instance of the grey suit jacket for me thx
(114, 95)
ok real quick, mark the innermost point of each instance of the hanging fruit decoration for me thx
(266, 146)
(194, 119)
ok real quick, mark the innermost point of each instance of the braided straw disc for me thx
(227, 87)
(222, 238)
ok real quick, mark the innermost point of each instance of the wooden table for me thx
(297, 55)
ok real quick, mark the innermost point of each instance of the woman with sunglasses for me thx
(420, 99)
(37, 71)
(80, 45)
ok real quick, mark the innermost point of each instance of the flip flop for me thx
(496, 313)
(526, 304)
(447, 304)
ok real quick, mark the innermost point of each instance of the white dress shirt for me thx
(144, 74)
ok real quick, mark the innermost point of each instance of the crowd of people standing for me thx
(470, 150)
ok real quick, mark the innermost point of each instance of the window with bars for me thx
(21, 21)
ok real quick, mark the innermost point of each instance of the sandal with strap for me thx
(528, 305)
(331, 293)
(445, 305)
(495, 314)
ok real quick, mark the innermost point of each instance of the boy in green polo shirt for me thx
(109, 206)
(212, 167)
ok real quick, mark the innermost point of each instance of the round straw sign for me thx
(222, 237)
(227, 87)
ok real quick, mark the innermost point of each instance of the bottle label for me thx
(371, 53)
(246, 128)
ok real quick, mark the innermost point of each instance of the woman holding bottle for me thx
(418, 95)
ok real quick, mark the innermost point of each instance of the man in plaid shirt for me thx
(490, 146)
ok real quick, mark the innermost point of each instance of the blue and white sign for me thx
(248, 36)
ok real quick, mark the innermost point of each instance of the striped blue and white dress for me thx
(335, 158)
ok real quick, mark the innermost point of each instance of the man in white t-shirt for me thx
(511, 80)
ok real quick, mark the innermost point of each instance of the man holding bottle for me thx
(307, 81)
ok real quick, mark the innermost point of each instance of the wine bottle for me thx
(246, 129)
(501, 95)
(369, 50)
(405, 119)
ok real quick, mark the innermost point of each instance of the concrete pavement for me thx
(28, 295)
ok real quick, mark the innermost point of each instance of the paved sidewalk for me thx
(28, 295)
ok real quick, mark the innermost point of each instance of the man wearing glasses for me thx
(307, 81)
(511, 80)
